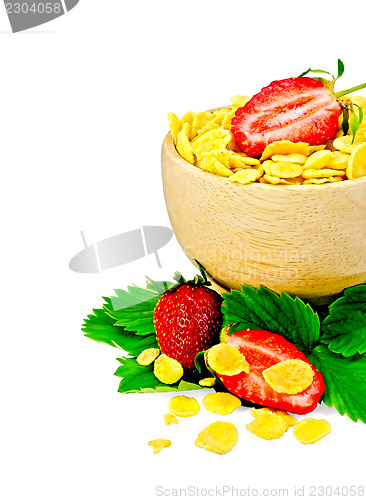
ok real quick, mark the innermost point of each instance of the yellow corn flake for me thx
(226, 122)
(320, 147)
(289, 419)
(159, 444)
(147, 356)
(222, 156)
(291, 376)
(233, 145)
(214, 166)
(310, 430)
(357, 163)
(189, 117)
(344, 143)
(318, 160)
(218, 437)
(240, 160)
(184, 147)
(184, 406)
(293, 158)
(239, 101)
(207, 382)
(246, 176)
(226, 360)
(203, 118)
(221, 403)
(213, 139)
(285, 170)
(324, 180)
(271, 179)
(175, 125)
(268, 425)
(167, 370)
(169, 418)
(311, 173)
(285, 148)
(209, 126)
(338, 161)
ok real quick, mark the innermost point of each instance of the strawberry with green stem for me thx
(301, 109)
(188, 319)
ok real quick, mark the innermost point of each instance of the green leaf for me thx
(349, 91)
(340, 69)
(355, 120)
(264, 310)
(309, 70)
(137, 378)
(345, 381)
(345, 121)
(139, 318)
(159, 287)
(344, 330)
(99, 326)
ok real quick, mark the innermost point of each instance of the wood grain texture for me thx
(306, 240)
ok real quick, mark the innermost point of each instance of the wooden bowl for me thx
(306, 240)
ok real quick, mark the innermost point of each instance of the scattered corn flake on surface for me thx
(184, 406)
(205, 140)
(169, 418)
(218, 437)
(289, 419)
(159, 444)
(221, 403)
(268, 425)
(310, 430)
(226, 360)
(291, 376)
(147, 356)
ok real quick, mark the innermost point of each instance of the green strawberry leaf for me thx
(99, 327)
(345, 381)
(344, 330)
(309, 70)
(355, 120)
(137, 378)
(265, 310)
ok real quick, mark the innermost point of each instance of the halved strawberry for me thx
(262, 350)
(298, 109)
(295, 109)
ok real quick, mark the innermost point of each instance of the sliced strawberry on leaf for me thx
(263, 350)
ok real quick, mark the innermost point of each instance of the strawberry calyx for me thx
(352, 113)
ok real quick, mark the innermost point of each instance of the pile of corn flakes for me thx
(205, 140)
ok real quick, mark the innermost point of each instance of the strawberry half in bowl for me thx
(306, 239)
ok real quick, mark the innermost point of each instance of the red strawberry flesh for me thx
(262, 350)
(187, 320)
(295, 109)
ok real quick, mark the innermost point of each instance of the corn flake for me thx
(344, 143)
(285, 170)
(226, 122)
(184, 147)
(207, 382)
(291, 376)
(338, 161)
(184, 406)
(289, 419)
(357, 163)
(159, 444)
(221, 403)
(147, 356)
(319, 147)
(268, 425)
(226, 360)
(310, 430)
(218, 437)
(167, 370)
(239, 101)
(214, 166)
(246, 176)
(292, 158)
(311, 173)
(213, 139)
(240, 160)
(285, 148)
(169, 418)
(175, 125)
(318, 160)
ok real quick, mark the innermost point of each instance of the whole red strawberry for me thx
(187, 320)
(298, 109)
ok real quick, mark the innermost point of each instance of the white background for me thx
(83, 115)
